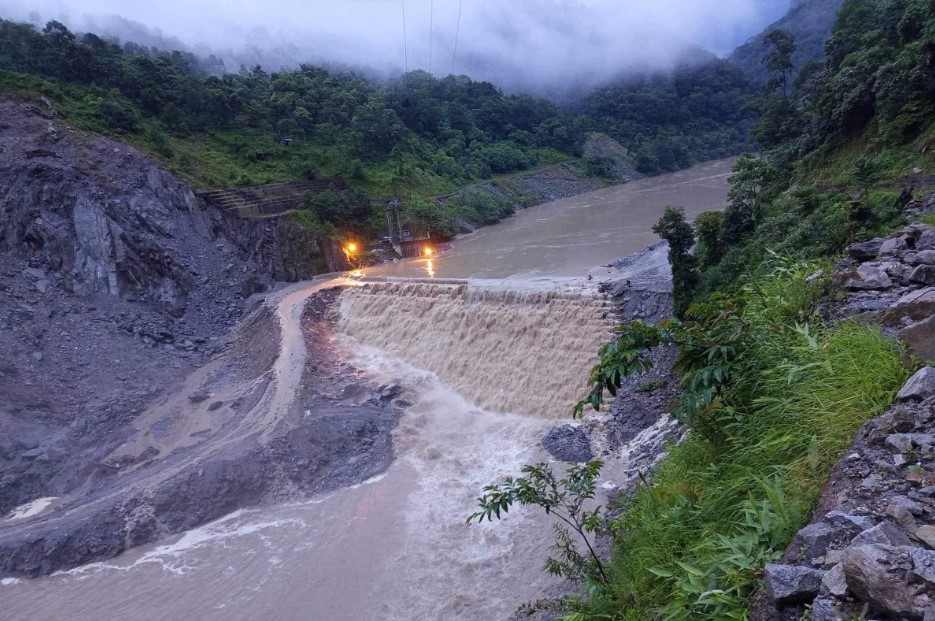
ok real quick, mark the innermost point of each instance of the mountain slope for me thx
(809, 21)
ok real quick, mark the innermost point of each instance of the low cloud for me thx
(518, 44)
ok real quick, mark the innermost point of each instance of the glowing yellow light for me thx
(427, 251)
(430, 269)
(351, 248)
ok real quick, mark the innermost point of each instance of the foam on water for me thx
(449, 569)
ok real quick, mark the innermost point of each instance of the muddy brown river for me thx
(566, 238)
(397, 547)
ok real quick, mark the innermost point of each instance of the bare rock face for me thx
(920, 386)
(116, 283)
(792, 584)
(876, 574)
(102, 217)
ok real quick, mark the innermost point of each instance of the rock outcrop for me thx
(871, 540)
(872, 537)
(115, 282)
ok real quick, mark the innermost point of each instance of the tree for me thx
(677, 232)
(779, 59)
(748, 177)
(864, 175)
(565, 499)
(708, 230)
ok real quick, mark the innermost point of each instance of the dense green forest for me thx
(772, 392)
(809, 21)
(673, 120)
(836, 145)
(415, 136)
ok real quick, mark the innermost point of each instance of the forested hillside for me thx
(671, 121)
(416, 134)
(775, 386)
(809, 21)
(840, 147)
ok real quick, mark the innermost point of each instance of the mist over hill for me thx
(535, 46)
(809, 21)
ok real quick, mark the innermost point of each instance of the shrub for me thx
(772, 400)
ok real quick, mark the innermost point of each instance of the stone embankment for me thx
(630, 434)
(869, 552)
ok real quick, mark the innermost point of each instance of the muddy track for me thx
(265, 420)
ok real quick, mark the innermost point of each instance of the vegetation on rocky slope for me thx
(772, 397)
(773, 392)
(417, 136)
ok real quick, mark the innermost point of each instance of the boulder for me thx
(814, 539)
(894, 245)
(920, 386)
(926, 534)
(915, 305)
(900, 513)
(870, 278)
(926, 241)
(834, 581)
(923, 564)
(923, 275)
(898, 443)
(883, 533)
(846, 520)
(920, 338)
(873, 574)
(823, 609)
(792, 584)
(568, 443)
(388, 393)
(865, 251)
(199, 396)
(923, 257)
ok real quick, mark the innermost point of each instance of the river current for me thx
(489, 368)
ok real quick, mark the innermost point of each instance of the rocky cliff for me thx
(115, 281)
(869, 551)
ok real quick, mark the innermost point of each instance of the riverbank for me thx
(245, 429)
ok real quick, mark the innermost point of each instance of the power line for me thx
(431, 21)
(405, 38)
(457, 32)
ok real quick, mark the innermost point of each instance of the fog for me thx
(518, 44)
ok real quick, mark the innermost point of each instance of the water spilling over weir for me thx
(526, 352)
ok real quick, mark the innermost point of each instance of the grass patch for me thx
(693, 545)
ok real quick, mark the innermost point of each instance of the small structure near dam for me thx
(404, 242)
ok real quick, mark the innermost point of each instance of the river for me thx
(488, 368)
(567, 237)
